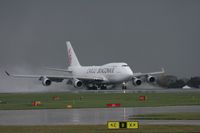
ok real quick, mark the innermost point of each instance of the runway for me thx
(91, 116)
(144, 90)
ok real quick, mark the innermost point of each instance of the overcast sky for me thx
(147, 34)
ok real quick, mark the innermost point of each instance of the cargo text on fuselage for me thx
(101, 70)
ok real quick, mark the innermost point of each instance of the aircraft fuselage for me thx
(111, 73)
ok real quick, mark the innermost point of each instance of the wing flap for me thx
(58, 69)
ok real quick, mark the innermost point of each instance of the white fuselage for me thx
(111, 73)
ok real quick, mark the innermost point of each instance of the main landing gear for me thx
(96, 87)
(103, 87)
(92, 87)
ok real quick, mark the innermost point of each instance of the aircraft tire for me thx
(92, 88)
(124, 87)
(103, 87)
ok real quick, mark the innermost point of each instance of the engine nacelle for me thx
(136, 81)
(77, 83)
(46, 81)
(151, 79)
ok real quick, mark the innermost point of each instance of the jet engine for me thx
(77, 83)
(46, 81)
(136, 81)
(151, 79)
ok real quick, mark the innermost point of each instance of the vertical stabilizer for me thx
(72, 59)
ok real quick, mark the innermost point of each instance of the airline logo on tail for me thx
(72, 59)
(69, 56)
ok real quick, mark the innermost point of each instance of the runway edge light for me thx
(123, 124)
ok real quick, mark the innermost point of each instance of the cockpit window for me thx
(124, 65)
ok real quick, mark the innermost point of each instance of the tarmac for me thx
(92, 116)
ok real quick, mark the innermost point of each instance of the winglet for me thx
(8, 74)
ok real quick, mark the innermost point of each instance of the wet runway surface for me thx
(91, 116)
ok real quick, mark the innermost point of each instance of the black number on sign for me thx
(122, 125)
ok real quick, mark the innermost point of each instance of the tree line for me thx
(170, 81)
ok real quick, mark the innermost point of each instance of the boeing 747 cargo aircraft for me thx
(93, 77)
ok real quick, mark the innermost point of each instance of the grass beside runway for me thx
(167, 116)
(100, 129)
(95, 100)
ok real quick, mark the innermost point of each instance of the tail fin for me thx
(72, 59)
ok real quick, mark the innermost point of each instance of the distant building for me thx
(186, 87)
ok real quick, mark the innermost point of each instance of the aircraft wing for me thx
(56, 77)
(58, 69)
(139, 74)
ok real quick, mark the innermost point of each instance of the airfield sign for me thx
(123, 124)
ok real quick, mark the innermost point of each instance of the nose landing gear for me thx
(124, 87)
